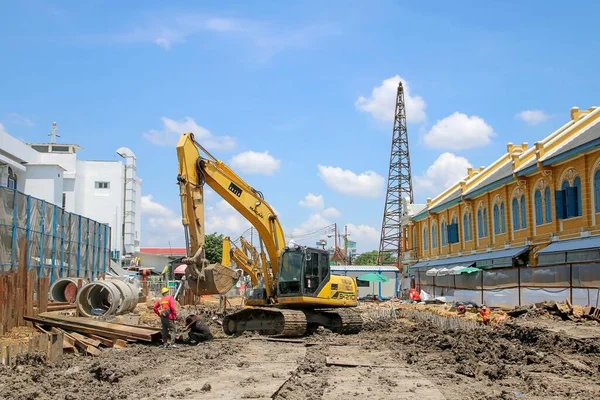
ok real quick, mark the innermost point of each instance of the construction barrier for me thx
(58, 244)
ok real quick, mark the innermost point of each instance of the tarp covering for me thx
(574, 250)
(490, 259)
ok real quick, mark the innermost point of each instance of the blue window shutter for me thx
(571, 194)
(425, 238)
(523, 213)
(515, 215)
(449, 233)
(538, 208)
(560, 202)
(597, 189)
(485, 222)
(479, 225)
(502, 218)
(414, 238)
(496, 219)
(433, 237)
(470, 226)
(465, 228)
(548, 204)
(578, 199)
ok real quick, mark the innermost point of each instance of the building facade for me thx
(533, 207)
(105, 191)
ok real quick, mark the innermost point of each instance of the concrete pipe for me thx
(110, 297)
(64, 290)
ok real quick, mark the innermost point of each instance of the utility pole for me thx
(399, 185)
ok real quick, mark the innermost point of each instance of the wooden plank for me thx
(42, 293)
(81, 329)
(60, 307)
(104, 341)
(268, 339)
(10, 279)
(134, 331)
(120, 344)
(55, 348)
(2, 304)
(87, 340)
(31, 280)
(21, 281)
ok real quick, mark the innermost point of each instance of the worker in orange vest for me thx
(485, 315)
(168, 314)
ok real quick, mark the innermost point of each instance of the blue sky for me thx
(277, 89)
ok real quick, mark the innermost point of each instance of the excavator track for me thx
(344, 321)
(266, 321)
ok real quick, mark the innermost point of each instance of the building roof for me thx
(164, 251)
(504, 171)
(572, 245)
(470, 259)
(414, 209)
(585, 136)
(364, 268)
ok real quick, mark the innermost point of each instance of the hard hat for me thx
(164, 290)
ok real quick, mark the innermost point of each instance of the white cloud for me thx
(224, 219)
(533, 117)
(443, 173)
(251, 162)
(316, 202)
(172, 130)
(331, 212)
(365, 236)
(313, 223)
(366, 184)
(382, 103)
(167, 30)
(160, 224)
(20, 119)
(459, 131)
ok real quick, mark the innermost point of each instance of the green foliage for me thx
(370, 258)
(214, 247)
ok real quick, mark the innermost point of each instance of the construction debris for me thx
(564, 311)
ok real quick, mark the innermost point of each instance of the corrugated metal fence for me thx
(58, 243)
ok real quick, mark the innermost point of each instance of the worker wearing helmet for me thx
(165, 309)
(485, 315)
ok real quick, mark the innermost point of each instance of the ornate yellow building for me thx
(519, 212)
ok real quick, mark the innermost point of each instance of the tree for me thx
(370, 258)
(214, 247)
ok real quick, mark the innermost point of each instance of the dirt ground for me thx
(392, 358)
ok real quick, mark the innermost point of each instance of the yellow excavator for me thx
(299, 294)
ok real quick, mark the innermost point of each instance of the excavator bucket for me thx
(218, 279)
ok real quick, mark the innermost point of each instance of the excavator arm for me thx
(197, 167)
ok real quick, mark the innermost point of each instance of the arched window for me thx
(539, 216)
(470, 225)
(425, 238)
(597, 189)
(502, 218)
(433, 237)
(515, 214)
(548, 204)
(444, 233)
(466, 227)
(523, 213)
(577, 184)
(414, 238)
(496, 219)
(479, 224)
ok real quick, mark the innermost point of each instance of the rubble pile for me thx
(564, 311)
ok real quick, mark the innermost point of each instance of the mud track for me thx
(390, 359)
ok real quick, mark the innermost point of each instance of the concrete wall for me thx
(44, 182)
(387, 288)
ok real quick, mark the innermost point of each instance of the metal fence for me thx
(57, 243)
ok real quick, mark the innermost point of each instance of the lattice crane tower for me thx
(399, 185)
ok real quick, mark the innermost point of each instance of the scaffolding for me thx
(58, 244)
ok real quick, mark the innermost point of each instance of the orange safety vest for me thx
(485, 314)
(164, 303)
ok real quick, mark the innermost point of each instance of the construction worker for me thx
(485, 315)
(165, 309)
(199, 331)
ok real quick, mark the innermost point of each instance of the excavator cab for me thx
(303, 271)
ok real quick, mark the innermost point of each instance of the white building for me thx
(105, 191)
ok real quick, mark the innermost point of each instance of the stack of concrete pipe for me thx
(107, 297)
(64, 290)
